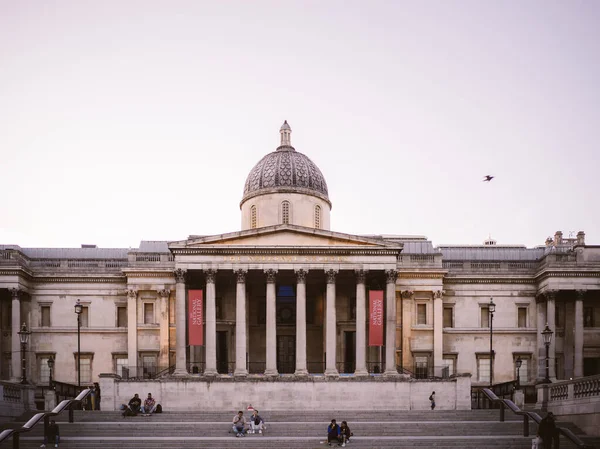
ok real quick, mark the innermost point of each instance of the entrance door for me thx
(222, 352)
(349, 351)
(286, 354)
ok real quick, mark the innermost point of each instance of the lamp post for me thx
(51, 368)
(491, 310)
(547, 334)
(78, 310)
(24, 337)
(519, 363)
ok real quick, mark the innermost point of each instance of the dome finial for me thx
(285, 132)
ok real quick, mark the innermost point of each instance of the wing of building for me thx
(287, 295)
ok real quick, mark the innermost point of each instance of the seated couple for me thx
(339, 434)
(135, 406)
(239, 423)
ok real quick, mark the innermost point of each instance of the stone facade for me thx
(290, 297)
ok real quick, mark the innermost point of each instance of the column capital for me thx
(132, 293)
(550, 295)
(407, 294)
(164, 293)
(15, 292)
(271, 275)
(241, 275)
(391, 276)
(301, 275)
(438, 294)
(331, 276)
(361, 276)
(180, 275)
(211, 275)
(580, 294)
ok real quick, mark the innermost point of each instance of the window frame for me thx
(521, 306)
(317, 217)
(453, 358)
(525, 357)
(85, 314)
(451, 308)
(479, 358)
(146, 303)
(41, 362)
(42, 306)
(482, 307)
(118, 306)
(286, 212)
(84, 356)
(116, 356)
(253, 217)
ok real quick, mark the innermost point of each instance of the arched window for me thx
(285, 212)
(318, 217)
(253, 217)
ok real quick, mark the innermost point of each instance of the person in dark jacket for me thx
(133, 408)
(345, 433)
(52, 435)
(97, 393)
(547, 430)
(333, 433)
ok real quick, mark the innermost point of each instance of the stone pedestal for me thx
(519, 398)
(49, 399)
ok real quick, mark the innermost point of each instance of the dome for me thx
(285, 170)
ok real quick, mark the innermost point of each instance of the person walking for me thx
(97, 395)
(432, 400)
(52, 435)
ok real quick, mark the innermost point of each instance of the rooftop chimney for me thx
(88, 246)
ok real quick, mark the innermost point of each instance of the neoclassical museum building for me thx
(288, 296)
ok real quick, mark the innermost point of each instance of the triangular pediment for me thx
(284, 236)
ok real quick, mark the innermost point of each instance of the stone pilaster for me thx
(132, 341)
(211, 324)
(551, 320)
(15, 340)
(438, 325)
(407, 315)
(163, 304)
(180, 323)
(390, 323)
(271, 356)
(361, 323)
(330, 332)
(578, 337)
(301, 369)
(541, 350)
(240, 324)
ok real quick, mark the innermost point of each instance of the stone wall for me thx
(282, 393)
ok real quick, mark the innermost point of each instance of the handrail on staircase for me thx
(35, 419)
(535, 417)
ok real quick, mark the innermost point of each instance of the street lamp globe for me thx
(78, 308)
(492, 306)
(51, 363)
(24, 334)
(547, 335)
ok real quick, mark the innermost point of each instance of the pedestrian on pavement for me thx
(432, 400)
(52, 435)
(547, 430)
(97, 393)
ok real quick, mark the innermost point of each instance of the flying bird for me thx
(487, 178)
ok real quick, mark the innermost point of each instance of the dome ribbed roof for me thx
(285, 170)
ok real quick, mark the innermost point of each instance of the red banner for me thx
(376, 318)
(196, 317)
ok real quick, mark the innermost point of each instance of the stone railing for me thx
(16, 398)
(12, 257)
(576, 400)
(487, 266)
(78, 264)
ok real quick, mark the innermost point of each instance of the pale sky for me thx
(123, 121)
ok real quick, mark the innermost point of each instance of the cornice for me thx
(81, 280)
(154, 272)
(298, 250)
(168, 274)
(420, 275)
(17, 272)
(567, 274)
(469, 280)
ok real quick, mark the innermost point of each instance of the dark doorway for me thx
(222, 352)
(591, 366)
(349, 352)
(286, 354)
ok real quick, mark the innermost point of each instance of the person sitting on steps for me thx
(149, 405)
(256, 422)
(345, 433)
(239, 424)
(52, 435)
(133, 408)
(333, 433)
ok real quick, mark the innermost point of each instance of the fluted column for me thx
(16, 341)
(407, 316)
(271, 368)
(180, 323)
(301, 369)
(211, 324)
(390, 323)
(163, 355)
(578, 343)
(551, 320)
(331, 332)
(438, 325)
(240, 325)
(361, 324)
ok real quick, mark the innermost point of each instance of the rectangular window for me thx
(483, 369)
(45, 311)
(421, 313)
(86, 369)
(588, 317)
(421, 367)
(121, 316)
(122, 367)
(148, 313)
(448, 316)
(149, 365)
(523, 373)
(44, 370)
(84, 317)
(449, 366)
(522, 317)
(485, 316)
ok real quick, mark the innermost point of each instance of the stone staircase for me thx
(472, 429)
